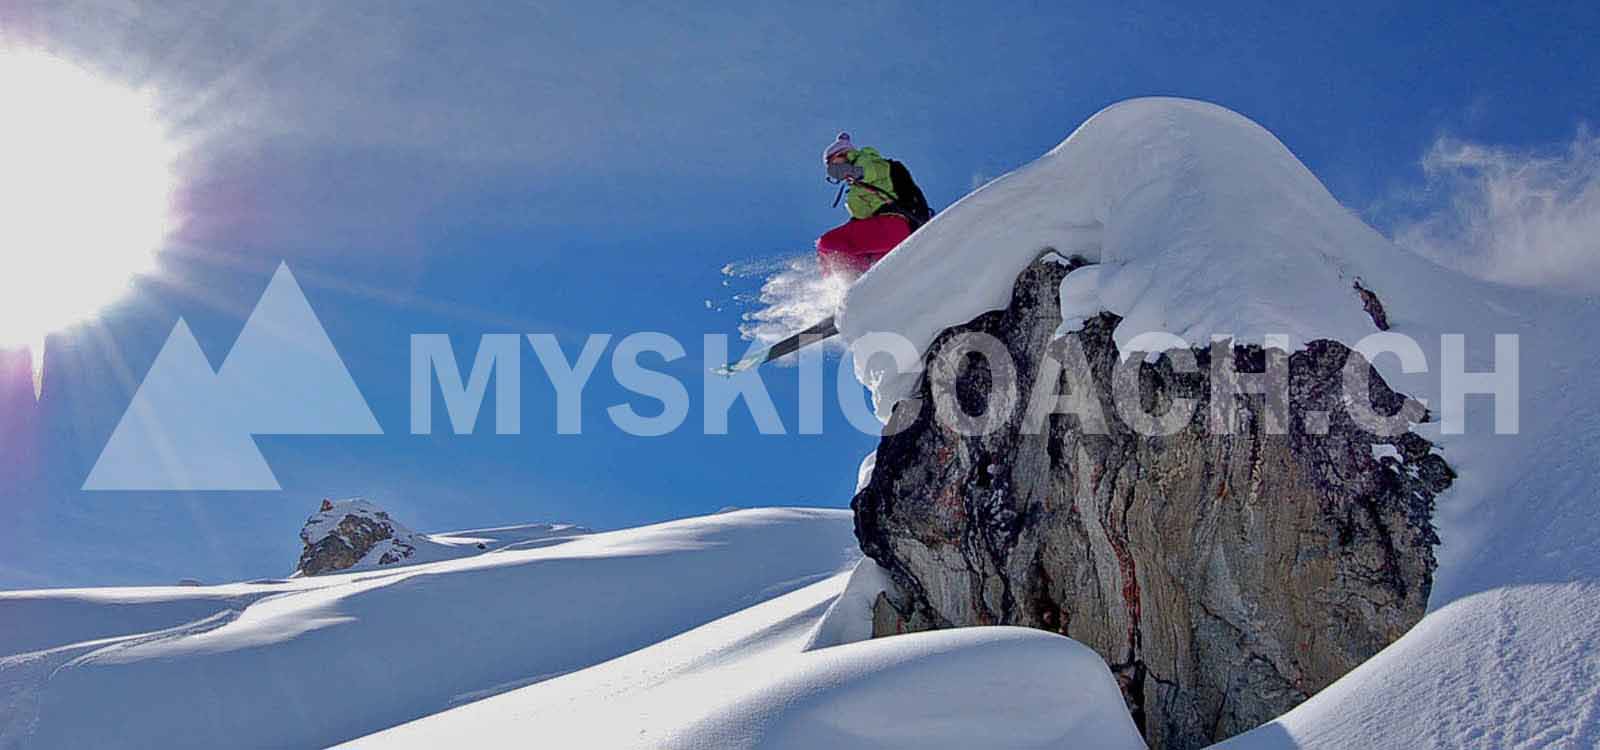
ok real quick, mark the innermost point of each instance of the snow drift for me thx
(313, 661)
(688, 634)
(745, 681)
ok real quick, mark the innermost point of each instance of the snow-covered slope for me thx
(317, 660)
(1203, 224)
(516, 536)
(692, 634)
(747, 681)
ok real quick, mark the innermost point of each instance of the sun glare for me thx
(85, 187)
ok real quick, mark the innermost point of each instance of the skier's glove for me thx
(845, 171)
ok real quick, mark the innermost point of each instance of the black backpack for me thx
(909, 200)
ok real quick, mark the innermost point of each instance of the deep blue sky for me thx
(577, 167)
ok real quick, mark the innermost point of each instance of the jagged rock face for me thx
(342, 534)
(1224, 577)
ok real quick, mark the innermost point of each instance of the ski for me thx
(822, 330)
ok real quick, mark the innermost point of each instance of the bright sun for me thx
(85, 187)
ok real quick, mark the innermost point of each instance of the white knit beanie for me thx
(842, 143)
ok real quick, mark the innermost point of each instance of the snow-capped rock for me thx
(357, 534)
(1201, 224)
(351, 533)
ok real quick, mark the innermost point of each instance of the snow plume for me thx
(1530, 218)
(794, 294)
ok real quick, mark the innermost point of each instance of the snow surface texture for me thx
(1203, 224)
(318, 660)
(714, 619)
(745, 681)
(849, 618)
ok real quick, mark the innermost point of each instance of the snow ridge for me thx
(1201, 222)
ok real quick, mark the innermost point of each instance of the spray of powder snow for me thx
(793, 295)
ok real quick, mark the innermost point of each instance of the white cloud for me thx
(1525, 217)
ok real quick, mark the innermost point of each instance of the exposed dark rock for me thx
(1224, 577)
(1373, 306)
(342, 534)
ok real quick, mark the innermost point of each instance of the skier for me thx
(885, 205)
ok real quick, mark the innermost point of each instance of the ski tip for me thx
(742, 365)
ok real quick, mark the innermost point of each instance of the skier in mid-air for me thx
(886, 206)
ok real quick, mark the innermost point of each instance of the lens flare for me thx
(86, 181)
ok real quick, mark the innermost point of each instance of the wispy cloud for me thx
(1529, 217)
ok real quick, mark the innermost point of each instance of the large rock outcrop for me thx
(1224, 577)
(348, 533)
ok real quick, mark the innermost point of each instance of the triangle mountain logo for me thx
(192, 428)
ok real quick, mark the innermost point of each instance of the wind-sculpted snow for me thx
(314, 661)
(1202, 224)
(1515, 667)
(973, 687)
(746, 681)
